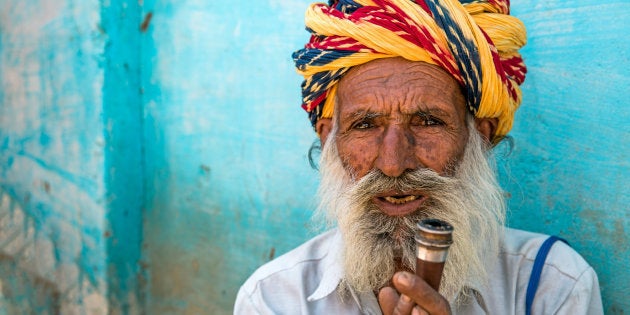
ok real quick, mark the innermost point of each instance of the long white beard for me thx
(470, 200)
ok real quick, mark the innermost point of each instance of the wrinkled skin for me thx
(396, 115)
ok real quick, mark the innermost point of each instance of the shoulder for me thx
(297, 260)
(523, 246)
(567, 280)
(290, 278)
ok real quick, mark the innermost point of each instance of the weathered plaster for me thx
(51, 158)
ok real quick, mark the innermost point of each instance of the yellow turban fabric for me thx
(476, 41)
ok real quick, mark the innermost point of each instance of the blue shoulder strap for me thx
(539, 263)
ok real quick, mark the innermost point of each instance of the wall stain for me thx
(46, 186)
(205, 169)
(145, 23)
(612, 229)
(615, 309)
(272, 253)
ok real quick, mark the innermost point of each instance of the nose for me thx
(397, 151)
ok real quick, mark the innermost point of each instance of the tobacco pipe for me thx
(433, 239)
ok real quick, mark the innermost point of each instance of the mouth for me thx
(399, 204)
(398, 200)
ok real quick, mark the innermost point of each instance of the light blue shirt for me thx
(305, 281)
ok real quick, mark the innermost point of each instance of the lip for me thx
(402, 208)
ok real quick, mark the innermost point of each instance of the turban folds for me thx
(476, 41)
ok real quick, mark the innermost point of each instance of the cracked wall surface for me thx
(57, 214)
(39, 273)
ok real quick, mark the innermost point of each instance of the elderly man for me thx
(407, 98)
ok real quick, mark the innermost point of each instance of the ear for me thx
(487, 127)
(323, 127)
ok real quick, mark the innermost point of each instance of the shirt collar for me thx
(333, 270)
(332, 276)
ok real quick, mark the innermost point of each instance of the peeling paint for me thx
(50, 96)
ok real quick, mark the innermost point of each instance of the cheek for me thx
(429, 152)
(357, 156)
(436, 154)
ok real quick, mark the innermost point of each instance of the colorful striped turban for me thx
(476, 41)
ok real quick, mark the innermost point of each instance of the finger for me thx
(421, 293)
(387, 299)
(392, 303)
(404, 306)
(417, 310)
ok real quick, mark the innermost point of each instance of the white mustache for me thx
(424, 179)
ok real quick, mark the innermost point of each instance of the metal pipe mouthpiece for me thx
(433, 239)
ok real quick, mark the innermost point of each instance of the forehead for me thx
(396, 84)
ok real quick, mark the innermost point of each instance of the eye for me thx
(363, 124)
(425, 120)
(432, 121)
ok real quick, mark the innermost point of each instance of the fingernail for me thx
(403, 278)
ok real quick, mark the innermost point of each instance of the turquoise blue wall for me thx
(153, 153)
(70, 151)
(228, 178)
(51, 158)
(569, 173)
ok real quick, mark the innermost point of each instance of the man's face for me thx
(402, 149)
(396, 115)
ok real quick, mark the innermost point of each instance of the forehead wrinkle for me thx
(396, 85)
(404, 91)
(431, 81)
(417, 108)
(415, 71)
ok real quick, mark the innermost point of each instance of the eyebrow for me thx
(363, 114)
(431, 112)
(367, 114)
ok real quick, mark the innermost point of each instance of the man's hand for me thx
(416, 297)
